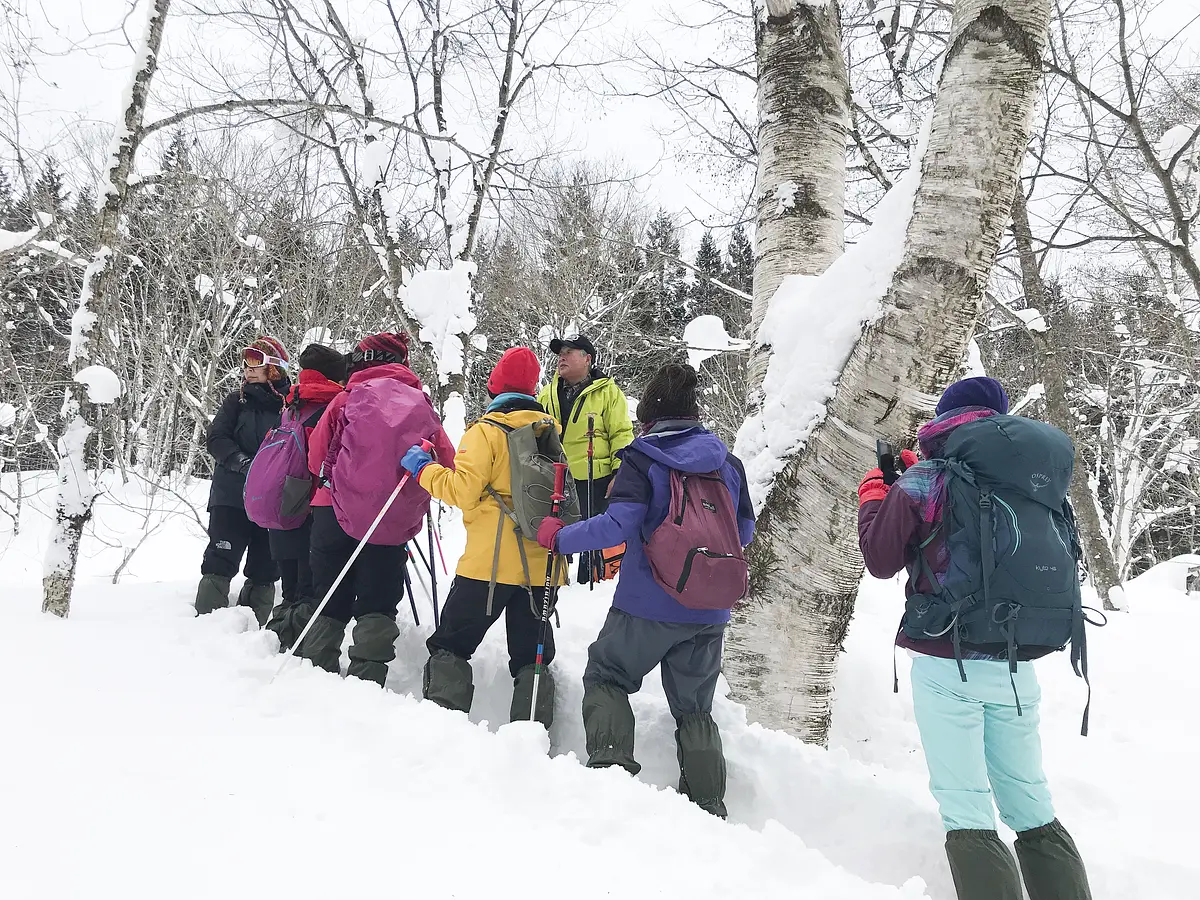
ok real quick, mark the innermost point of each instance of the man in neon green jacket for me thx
(577, 391)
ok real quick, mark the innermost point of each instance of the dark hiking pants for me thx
(290, 549)
(625, 652)
(231, 535)
(465, 622)
(370, 594)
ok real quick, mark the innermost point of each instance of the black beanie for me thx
(670, 394)
(325, 360)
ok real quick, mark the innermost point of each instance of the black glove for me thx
(241, 464)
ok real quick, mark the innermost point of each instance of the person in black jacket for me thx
(234, 437)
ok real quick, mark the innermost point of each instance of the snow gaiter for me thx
(1051, 865)
(982, 867)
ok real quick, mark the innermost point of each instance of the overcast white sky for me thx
(83, 64)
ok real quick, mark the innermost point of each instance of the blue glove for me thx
(415, 460)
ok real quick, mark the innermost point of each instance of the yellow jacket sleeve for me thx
(617, 422)
(464, 485)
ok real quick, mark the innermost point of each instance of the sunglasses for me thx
(254, 358)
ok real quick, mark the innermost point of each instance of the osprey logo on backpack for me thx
(1039, 480)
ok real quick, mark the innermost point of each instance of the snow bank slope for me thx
(151, 757)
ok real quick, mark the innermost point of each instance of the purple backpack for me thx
(696, 554)
(278, 484)
(382, 418)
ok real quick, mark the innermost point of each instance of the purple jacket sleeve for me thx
(628, 505)
(887, 528)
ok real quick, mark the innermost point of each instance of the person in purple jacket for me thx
(980, 745)
(647, 627)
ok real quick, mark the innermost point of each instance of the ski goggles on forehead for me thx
(253, 357)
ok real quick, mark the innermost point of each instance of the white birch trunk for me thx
(803, 121)
(76, 489)
(784, 645)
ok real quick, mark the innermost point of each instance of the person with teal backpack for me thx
(983, 526)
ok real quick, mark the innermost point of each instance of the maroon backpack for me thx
(696, 554)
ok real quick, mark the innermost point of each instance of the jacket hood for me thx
(398, 371)
(693, 449)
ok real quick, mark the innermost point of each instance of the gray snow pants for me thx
(625, 652)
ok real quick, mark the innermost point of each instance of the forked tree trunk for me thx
(803, 120)
(76, 491)
(784, 647)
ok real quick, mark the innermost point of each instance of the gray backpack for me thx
(1011, 588)
(533, 450)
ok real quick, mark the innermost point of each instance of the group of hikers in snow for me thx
(980, 522)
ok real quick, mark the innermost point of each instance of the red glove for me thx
(547, 534)
(871, 487)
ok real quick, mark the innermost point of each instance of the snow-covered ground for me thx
(145, 755)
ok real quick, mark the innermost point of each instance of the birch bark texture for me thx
(76, 490)
(784, 644)
(803, 123)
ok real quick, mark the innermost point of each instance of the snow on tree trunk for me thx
(76, 489)
(783, 647)
(803, 121)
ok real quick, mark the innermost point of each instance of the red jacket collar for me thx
(313, 387)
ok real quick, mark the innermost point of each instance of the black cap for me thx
(579, 343)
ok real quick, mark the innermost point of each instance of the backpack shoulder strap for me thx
(503, 426)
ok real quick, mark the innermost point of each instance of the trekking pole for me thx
(421, 578)
(556, 499)
(432, 576)
(412, 601)
(442, 556)
(426, 446)
(591, 435)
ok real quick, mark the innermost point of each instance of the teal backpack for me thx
(1011, 588)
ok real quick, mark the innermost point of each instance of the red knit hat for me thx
(378, 349)
(517, 372)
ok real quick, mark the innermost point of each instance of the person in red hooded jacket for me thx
(322, 377)
(371, 591)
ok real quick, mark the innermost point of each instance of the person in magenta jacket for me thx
(372, 589)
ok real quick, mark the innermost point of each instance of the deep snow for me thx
(146, 755)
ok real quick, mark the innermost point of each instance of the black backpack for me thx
(1011, 587)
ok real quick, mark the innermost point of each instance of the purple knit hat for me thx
(981, 391)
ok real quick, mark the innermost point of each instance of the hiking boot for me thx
(259, 598)
(982, 867)
(1051, 865)
(212, 593)
(448, 681)
(608, 726)
(522, 698)
(288, 620)
(373, 647)
(701, 763)
(323, 645)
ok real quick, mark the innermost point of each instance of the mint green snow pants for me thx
(977, 747)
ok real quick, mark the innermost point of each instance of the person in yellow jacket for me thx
(473, 606)
(578, 392)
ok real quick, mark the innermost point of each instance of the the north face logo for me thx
(1039, 481)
